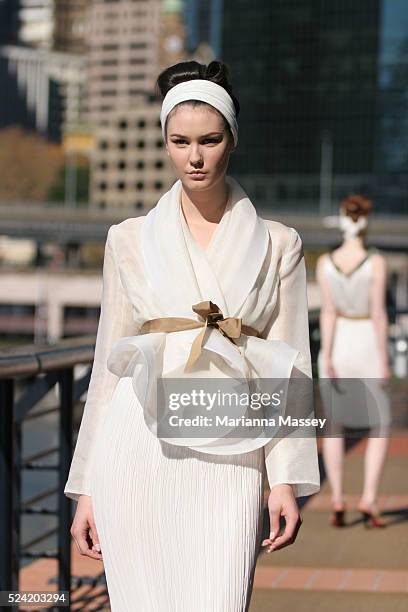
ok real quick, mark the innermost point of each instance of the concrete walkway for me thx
(352, 569)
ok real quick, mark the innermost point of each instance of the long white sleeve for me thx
(293, 460)
(115, 321)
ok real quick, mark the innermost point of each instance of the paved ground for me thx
(342, 570)
(349, 569)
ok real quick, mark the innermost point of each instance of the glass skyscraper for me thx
(323, 87)
(203, 24)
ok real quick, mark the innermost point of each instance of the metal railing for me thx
(37, 369)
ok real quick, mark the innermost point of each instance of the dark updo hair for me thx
(356, 205)
(215, 71)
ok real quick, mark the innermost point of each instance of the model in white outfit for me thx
(179, 521)
(354, 346)
(355, 350)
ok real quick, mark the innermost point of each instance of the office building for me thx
(130, 168)
(71, 26)
(203, 20)
(43, 90)
(321, 86)
(123, 57)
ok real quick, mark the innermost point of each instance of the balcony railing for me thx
(33, 371)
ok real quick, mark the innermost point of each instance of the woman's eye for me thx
(212, 140)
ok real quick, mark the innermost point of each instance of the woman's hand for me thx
(385, 374)
(83, 529)
(328, 366)
(282, 502)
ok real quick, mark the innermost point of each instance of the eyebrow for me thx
(203, 136)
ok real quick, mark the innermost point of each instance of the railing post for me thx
(9, 510)
(64, 503)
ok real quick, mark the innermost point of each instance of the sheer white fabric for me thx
(351, 292)
(290, 460)
(115, 321)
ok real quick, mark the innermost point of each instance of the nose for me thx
(196, 157)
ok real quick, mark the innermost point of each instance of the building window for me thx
(140, 185)
(121, 165)
(123, 144)
(123, 124)
(158, 185)
(141, 123)
(140, 164)
(102, 186)
(282, 192)
(158, 164)
(121, 185)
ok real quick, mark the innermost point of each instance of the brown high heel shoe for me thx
(337, 518)
(371, 519)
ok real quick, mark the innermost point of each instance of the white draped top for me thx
(125, 297)
(351, 291)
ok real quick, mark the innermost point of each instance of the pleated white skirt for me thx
(179, 530)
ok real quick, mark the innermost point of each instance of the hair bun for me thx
(218, 73)
(356, 205)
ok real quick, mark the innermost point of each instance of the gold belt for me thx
(347, 316)
(230, 327)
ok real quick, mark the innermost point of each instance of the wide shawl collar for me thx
(180, 273)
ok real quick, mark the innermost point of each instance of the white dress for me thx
(180, 529)
(357, 399)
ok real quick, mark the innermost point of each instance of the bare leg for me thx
(374, 459)
(333, 457)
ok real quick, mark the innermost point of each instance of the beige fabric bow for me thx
(230, 327)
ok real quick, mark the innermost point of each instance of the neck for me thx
(357, 242)
(207, 205)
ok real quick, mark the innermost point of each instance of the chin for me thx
(198, 184)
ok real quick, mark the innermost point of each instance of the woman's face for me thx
(199, 146)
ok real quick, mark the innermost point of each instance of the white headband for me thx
(206, 91)
(351, 228)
